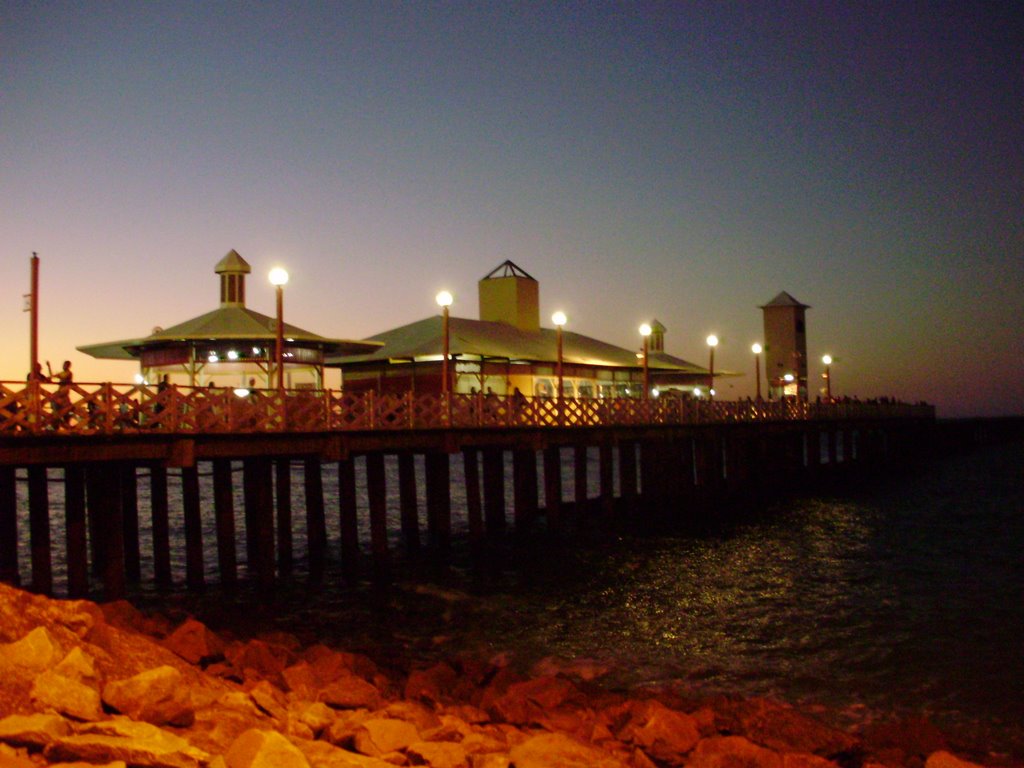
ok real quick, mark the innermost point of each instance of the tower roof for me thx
(507, 269)
(232, 263)
(784, 300)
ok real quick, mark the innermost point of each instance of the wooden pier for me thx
(666, 461)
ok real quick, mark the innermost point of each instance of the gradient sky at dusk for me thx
(678, 161)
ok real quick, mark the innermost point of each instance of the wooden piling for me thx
(75, 531)
(39, 530)
(259, 513)
(439, 503)
(103, 494)
(494, 491)
(224, 522)
(580, 487)
(377, 491)
(348, 519)
(130, 521)
(628, 477)
(316, 519)
(195, 576)
(524, 485)
(606, 475)
(474, 507)
(9, 525)
(553, 488)
(283, 505)
(159, 512)
(408, 503)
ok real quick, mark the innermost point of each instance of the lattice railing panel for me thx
(32, 408)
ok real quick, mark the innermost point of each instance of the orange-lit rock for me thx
(195, 643)
(555, 749)
(158, 696)
(35, 730)
(350, 692)
(732, 752)
(138, 744)
(264, 749)
(379, 736)
(52, 691)
(438, 754)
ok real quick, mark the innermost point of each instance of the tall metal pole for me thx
(445, 386)
(34, 315)
(647, 377)
(279, 350)
(757, 374)
(558, 335)
(756, 349)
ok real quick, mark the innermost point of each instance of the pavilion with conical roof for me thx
(231, 343)
(507, 350)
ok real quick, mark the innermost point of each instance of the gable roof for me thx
(495, 340)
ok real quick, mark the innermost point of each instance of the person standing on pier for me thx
(62, 397)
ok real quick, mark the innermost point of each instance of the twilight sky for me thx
(679, 161)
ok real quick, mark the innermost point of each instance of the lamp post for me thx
(444, 300)
(756, 349)
(827, 360)
(645, 331)
(278, 278)
(559, 320)
(712, 343)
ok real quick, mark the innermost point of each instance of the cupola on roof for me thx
(784, 300)
(232, 262)
(509, 295)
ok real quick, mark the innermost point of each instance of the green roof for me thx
(495, 340)
(234, 323)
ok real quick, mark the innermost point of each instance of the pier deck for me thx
(660, 458)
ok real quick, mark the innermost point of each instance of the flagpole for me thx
(34, 310)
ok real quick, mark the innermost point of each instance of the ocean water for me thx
(903, 597)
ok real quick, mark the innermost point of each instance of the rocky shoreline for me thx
(87, 684)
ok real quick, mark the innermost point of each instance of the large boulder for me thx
(34, 652)
(662, 733)
(434, 684)
(35, 731)
(52, 691)
(195, 643)
(380, 736)
(438, 754)
(264, 749)
(158, 696)
(258, 659)
(555, 749)
(943, 759)
(137, 744)
(350, 692)
(324, 755)
(782, 728)
(732, 752)
(534, 700)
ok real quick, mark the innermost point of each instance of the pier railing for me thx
(106, 408)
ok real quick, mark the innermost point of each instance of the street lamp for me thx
(645, 331)
(444, 300)
(278, 278)
(712, 343)
(559, 320)
(827, 360)
(756, 349)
